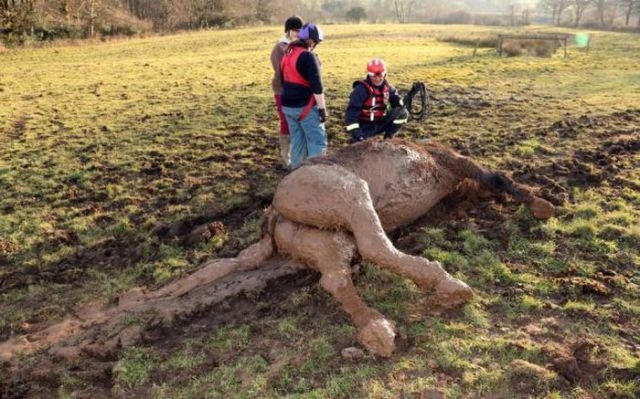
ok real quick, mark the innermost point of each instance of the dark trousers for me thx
(385, 125)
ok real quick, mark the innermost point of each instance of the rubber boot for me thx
(285, 150)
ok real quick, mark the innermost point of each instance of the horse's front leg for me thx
(330, 253)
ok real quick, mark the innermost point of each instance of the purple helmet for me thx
(311, 31)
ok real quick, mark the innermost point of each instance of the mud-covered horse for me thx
(334, 206)
(322, 215)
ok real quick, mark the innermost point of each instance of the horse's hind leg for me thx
(330, 196)
(330, 253)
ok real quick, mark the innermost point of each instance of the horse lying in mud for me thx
(322, 215)
(334, 206)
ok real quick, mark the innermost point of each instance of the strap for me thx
(365, 84)
(307, 108)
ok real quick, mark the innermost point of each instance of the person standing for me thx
(303, 101)
(292, 26)
(374, 105)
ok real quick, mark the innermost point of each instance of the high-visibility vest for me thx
(375, 107)
(290, 73)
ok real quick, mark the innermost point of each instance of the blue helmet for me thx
(311, 31)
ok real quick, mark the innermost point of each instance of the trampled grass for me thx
(111, 153)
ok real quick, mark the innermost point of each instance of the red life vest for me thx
(375, 107)
(290, 73)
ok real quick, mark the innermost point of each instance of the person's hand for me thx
(323, 115)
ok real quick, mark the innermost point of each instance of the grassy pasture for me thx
(111, 153)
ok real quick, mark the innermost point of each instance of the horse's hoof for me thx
(378, 337)
(452, 292)
(541, 209)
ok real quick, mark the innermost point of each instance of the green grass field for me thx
(111, 152)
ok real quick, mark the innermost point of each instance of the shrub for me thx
(536, 47)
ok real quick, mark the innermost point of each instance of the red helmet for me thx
(376, 67)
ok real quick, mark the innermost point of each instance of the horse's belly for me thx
(410, 194)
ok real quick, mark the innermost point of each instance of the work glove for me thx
(403, 114)
(323, 115)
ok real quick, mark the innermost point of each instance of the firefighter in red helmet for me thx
(374, 105)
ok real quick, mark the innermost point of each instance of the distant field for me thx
(112, 153)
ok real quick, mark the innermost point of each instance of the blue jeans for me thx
(308, 137)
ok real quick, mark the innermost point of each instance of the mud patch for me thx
(44, 374)
(607, 160)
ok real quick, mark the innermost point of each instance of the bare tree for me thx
(17, 15)
(263, 10)
(525, 16)
(556, 8)
(579, 7)
(403, 10)
(605, 8)
(91, 18)
(86, 14)
(629, 7)
(380, 10)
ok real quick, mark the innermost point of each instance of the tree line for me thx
(594, 13)
(51, 19)
(22, 20)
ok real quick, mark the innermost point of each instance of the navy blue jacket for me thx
(359, 95)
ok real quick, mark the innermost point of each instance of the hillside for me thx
(113, 156)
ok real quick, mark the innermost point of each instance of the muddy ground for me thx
(610, 163)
